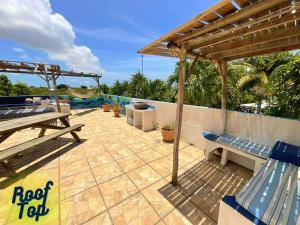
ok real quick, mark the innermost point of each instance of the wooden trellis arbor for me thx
(231, 29)
(45, 71)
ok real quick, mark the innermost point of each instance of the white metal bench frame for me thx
(212, 146)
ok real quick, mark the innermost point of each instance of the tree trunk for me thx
(179, 112)
(258, 109)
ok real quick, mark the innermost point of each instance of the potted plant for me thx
(116, 109)
(106, 107)
(168, 132)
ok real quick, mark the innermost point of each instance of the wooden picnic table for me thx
(7, 128)
(43, 121)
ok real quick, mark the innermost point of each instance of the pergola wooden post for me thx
(179, 112)
(56, 93)
(48, 84)
(223, 74)
(97, 79)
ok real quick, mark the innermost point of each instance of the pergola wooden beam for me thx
(234, 33)
(263, 52)
(223, 33)
(289, 43)
(235, 17)
(7, 66)
(196, 20)
(259, 38)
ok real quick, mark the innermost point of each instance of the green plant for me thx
(116, 107)
(21, 89)
(169, 126)
(155, 125)
(6, 86)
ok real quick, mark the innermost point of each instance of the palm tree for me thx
(137, 81)
(257, 73)
(286, 85)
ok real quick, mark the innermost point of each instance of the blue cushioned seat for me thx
(249, 147)
(273, 194)
(209, 136)
(286, 152)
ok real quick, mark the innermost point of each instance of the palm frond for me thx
(248, 82)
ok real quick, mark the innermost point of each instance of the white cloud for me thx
(25, 56)
(34, 24)
(19, 50)
(113, 34)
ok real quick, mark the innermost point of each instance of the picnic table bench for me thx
(43, 121)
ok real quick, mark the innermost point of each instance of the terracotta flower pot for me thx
(106, 108)
(117, 113)
(168, 135)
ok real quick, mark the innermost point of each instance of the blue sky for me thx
(113, 30)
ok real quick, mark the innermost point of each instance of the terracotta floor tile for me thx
(164, 149)
(71, 155)
(82, 206)
(98, 158)
(138, 147)
(134, 211)
(163, 197)
(183, 158)
(161, 223)
(73, 167)
(193, 152)
(102, 219)
(163, 166)
(130, 163)
(116, 190)
(76, 183)
(144, 176)
(106, 172)
(149, 155)
(120, 152)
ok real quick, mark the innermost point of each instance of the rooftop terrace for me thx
(120, 175)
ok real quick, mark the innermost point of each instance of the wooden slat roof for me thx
(40, 69)
(234, 29)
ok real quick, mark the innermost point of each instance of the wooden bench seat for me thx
(257, 152)
(15, 150)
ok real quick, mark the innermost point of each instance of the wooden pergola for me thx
(229, 30)
(45, 71)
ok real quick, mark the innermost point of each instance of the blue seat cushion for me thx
(249, 147)
(273, 194)
(286, 152)
(209, 136)
(230, 200)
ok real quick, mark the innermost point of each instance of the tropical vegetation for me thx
(272, 82)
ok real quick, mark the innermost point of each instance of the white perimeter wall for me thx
(260, 129)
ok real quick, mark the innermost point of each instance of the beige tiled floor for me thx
(119, 175)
